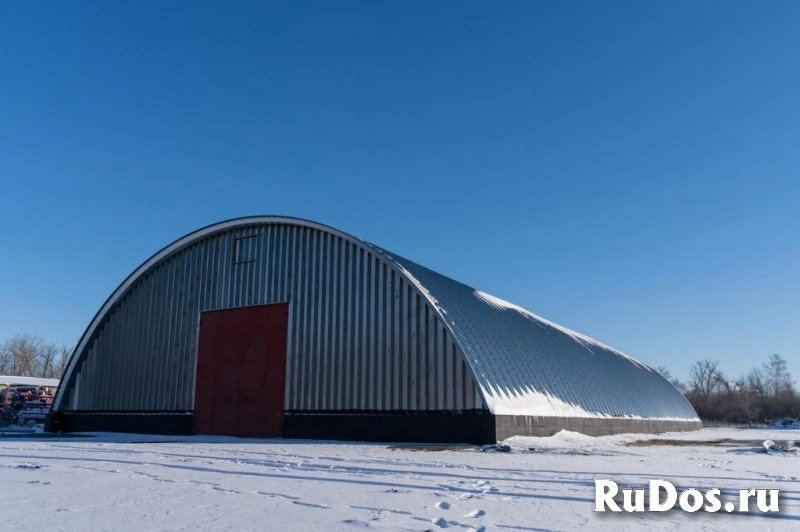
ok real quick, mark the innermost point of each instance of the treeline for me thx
(765, 394)
(30, 356)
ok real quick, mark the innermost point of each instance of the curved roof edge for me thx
(527, 365)
(494, 337)
(190, 238)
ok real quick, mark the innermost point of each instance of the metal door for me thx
(241, 371)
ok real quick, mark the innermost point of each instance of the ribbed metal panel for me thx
(369, 332)
(514, 353)
(361, 337)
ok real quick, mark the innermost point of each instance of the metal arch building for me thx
(276, 326)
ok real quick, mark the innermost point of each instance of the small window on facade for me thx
(244, 249)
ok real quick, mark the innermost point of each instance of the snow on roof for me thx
(582, 339)
(527, 365)
(523, 363)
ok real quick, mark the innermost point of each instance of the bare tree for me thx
(25, 355)
(722, 384)
(763, 394)
(22, 353)
(62, 361)
(705, 377)
(777, 379)
(47, 358)
(755, 383)
(5, 359)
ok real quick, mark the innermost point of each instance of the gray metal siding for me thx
(368, 333)
(512, 352)
(361, 337)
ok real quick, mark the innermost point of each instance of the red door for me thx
(241, 369)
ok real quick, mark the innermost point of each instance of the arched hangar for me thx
(272, 326)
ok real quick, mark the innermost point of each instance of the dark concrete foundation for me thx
(434, 427)
(172, 423)
(430, 427)
(507, 426)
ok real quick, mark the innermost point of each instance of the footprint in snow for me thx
(443, 505)
(26, 465)
(440, 522)
(381, 511)
(356, 523)
(476, 513)
(277, 495)
(139, 474)
(223, 490)
(311, 505)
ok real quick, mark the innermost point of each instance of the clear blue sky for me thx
(628, 169)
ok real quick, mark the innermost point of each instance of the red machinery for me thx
(25, 401)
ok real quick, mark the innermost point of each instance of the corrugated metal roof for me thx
(524, 364)
(528, 365)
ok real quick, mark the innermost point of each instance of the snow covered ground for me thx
(135, 483)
